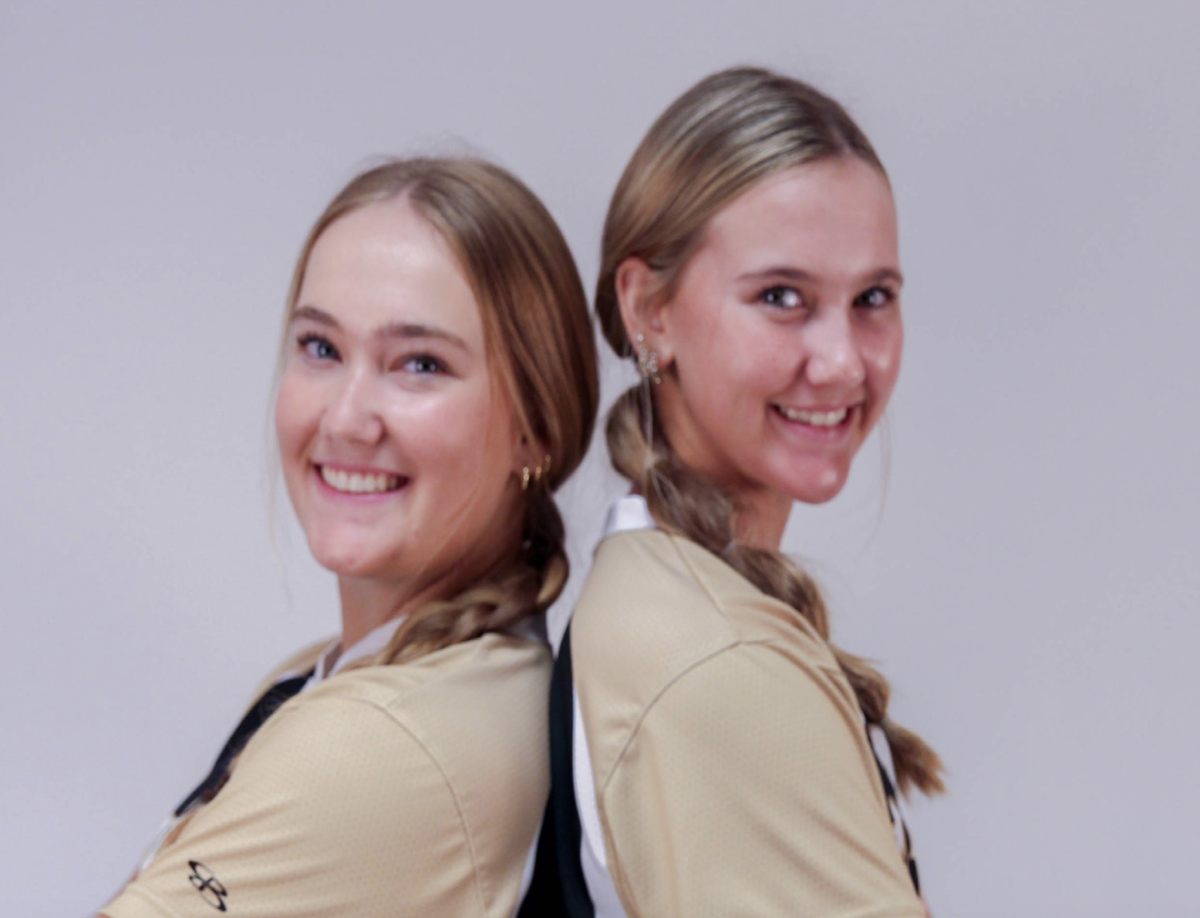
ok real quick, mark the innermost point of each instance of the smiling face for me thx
(783, 336)
(398, 449)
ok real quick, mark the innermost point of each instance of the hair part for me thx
(540, 351)
(712, 144)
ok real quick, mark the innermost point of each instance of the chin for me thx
(344, 560)
(818, 488)
(814, 497)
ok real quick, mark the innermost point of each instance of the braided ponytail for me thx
(526, 585)
(725, 134)
(685, 504)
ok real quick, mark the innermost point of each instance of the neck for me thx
(368, 603)
(760, 518)
(760, 514)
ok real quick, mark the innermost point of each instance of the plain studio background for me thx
(1027, 577)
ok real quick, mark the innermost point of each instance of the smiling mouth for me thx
(360, 482)
(814, 418)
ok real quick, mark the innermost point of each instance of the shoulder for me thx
(750, 775)
(468, 711)
(655, 606)
(473, 712)
(408, 789)
(660, 617)
(456, 744)
(657, 583)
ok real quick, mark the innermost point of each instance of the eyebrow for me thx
(796, 274)
(390, 330)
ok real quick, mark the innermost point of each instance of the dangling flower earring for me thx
(647, 360)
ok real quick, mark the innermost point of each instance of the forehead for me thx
(837, 213)
(385, 263)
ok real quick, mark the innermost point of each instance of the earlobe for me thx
(533, 470)
(639, 295)
(531, 461)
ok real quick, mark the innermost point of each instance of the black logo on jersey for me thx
(210, 888)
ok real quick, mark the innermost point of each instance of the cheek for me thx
(761, 365)
(292, 416)
(457, 440)
(735, 356)
(466, 457)
(881, 357)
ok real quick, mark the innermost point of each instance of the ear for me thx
(529, 454)
(640, 297)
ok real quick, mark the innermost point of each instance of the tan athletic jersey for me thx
(405, 790)
(732, 771)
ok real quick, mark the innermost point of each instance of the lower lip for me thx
(360, 497)
(813, 433)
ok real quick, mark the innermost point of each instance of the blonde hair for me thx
(540, 350)
(725, 134)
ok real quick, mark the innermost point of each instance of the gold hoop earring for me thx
(535, 474)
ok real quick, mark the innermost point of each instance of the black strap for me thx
(558, 889)
(270, 701)
(893, 810)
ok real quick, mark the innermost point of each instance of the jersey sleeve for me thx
(744, 791)
(334, 808)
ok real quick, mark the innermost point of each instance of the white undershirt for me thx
(366, 646)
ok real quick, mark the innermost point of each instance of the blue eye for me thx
(424, 364)
(781, 297)
(875, 298)
(318, 347)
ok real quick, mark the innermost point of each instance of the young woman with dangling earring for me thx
(714, 753)
(437, 384)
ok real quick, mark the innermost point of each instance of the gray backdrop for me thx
(1024, 566)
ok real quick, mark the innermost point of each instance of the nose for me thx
(833, 357)
(353, 414)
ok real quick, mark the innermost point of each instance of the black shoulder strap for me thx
(558, 889)
(893, 808)
(271, 699)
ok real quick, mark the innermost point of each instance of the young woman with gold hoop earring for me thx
(437, 354)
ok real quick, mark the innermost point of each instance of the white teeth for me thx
(358, 483)
(814, 418)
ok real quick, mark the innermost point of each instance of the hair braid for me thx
(527, 584)
(685, 504)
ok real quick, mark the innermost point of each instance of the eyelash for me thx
(306, 341)
(769, 294)
(432, 364)
(318, 347)
(772, 296)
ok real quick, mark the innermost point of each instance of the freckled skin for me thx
(423, 408)
(792, 300)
